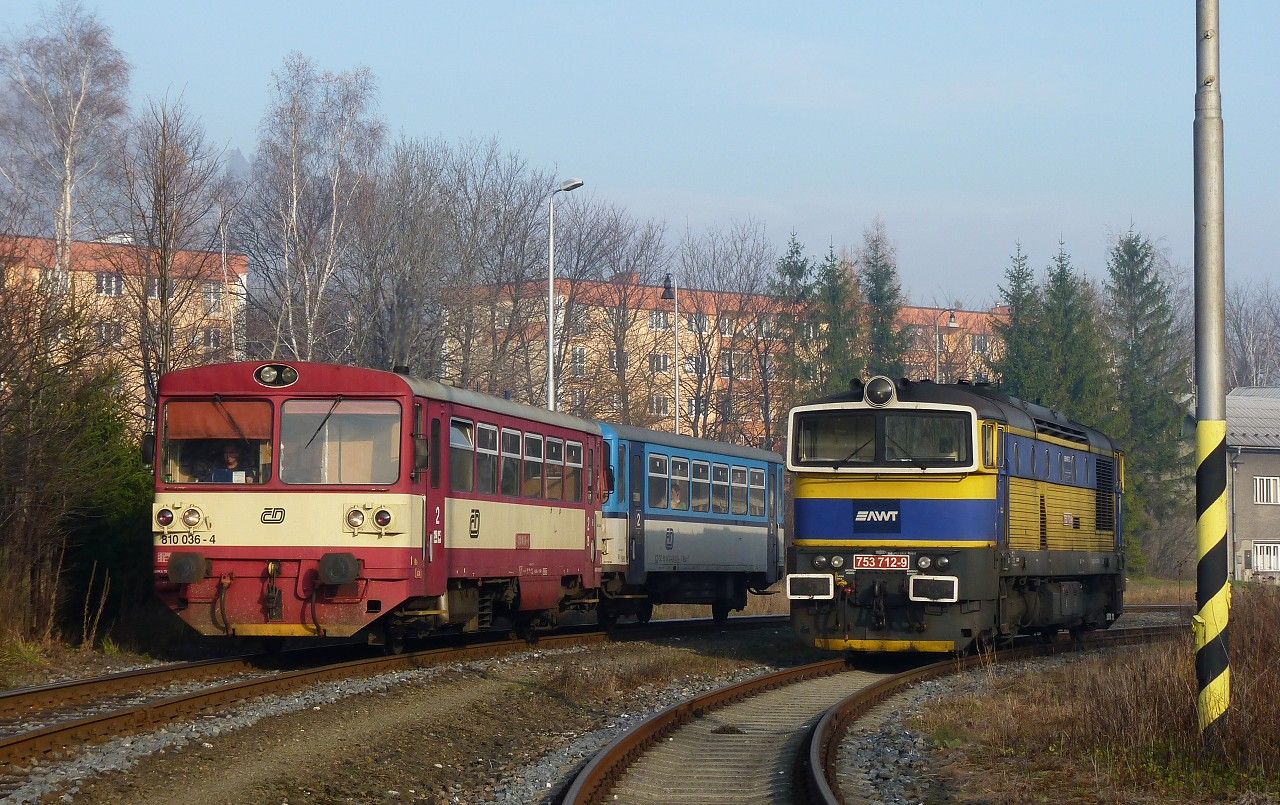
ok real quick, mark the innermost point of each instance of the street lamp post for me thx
(937, 340)
(565, 186)
(671, 291)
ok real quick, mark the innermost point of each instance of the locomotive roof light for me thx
(276, 374)
(880, 391)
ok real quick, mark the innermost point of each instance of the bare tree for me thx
(173, 197)
(67, 85)
(1253, 335)
(319, 142)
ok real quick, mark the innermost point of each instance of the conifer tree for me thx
(836, 302)
(793, 287)
(1021, 363)
(1151, 381)
(1077, 381)
(878, 272)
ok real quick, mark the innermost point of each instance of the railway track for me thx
(261, 675)
(772, 739)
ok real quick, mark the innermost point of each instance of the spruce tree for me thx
(1021, 362)
(878, 271)
(1077, 382)
(1151, 381)
(836, 302)
(794, 287)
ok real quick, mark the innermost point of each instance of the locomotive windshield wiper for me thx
(320, 427)
(855, 452)
(905, 452)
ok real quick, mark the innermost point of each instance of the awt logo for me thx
(872, 516)
(877, 516)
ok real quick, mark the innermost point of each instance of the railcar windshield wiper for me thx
(336, 402)
(227, 415)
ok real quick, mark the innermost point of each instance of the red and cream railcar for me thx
(312, 500)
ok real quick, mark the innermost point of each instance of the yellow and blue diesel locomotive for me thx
(932, 517)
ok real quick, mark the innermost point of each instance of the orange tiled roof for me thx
(93, 256)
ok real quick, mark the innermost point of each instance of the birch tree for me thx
(66, 87)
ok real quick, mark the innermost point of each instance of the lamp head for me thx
(569, 184)
(668, 289)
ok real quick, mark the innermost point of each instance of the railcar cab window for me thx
(217, 441)
(860, 439)
(339, 441)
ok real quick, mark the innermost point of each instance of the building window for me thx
(697, 322)
(659, 405)
(110, 284)
(728, 326)
(213, 296)
(578, 401)
(1266, 489)
(735, 365)
(578, 361)
(153, 288)
(212, 339)
(109, 332)
(659, 320)
(1266, 557)
(659, 362)
(695, 365)
(695, 404)
(981, 343)
(613, 359)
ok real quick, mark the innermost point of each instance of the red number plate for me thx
(875, 561)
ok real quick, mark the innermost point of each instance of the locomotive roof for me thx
(991, 403)
(634, 433)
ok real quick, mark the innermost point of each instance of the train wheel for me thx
(645, 613)
(394, 643)
(720, 611)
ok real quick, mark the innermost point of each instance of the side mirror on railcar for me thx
(421, 453)
(148, 449)
(608, 480)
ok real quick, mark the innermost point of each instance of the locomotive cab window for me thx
(835, 437)
(919, 439)
(216, 441)
(338, 441)
(933, 439)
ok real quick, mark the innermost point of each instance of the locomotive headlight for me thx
(288, 375)
(924, 562)
(819, 562)
(355, 518)
(382, 517)
(268, 374)
(191, 518)
(164, 517)
(879, 391)
(943, 562)
(837, 562)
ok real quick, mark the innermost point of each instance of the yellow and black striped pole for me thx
(1213, 595)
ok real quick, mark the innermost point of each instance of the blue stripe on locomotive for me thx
(922, 520)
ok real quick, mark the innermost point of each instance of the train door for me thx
(771, 511)
(635, 519)
(435, 556)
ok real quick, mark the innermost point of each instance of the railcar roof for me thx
(475, 399)
(992, 403)
(633, 433)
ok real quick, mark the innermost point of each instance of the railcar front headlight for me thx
(819, 562)
(191, 518)
(924, 562)
(164, 517)
(382, 517)
(268, 374)
(837, 562)
(355, 518)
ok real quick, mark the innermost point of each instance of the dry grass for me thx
(1160, 591)
(1123, 724)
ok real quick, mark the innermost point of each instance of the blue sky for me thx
(967, 126)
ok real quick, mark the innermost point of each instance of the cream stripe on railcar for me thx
(290, 519)
(548, 527)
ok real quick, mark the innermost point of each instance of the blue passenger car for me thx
(689, 521)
